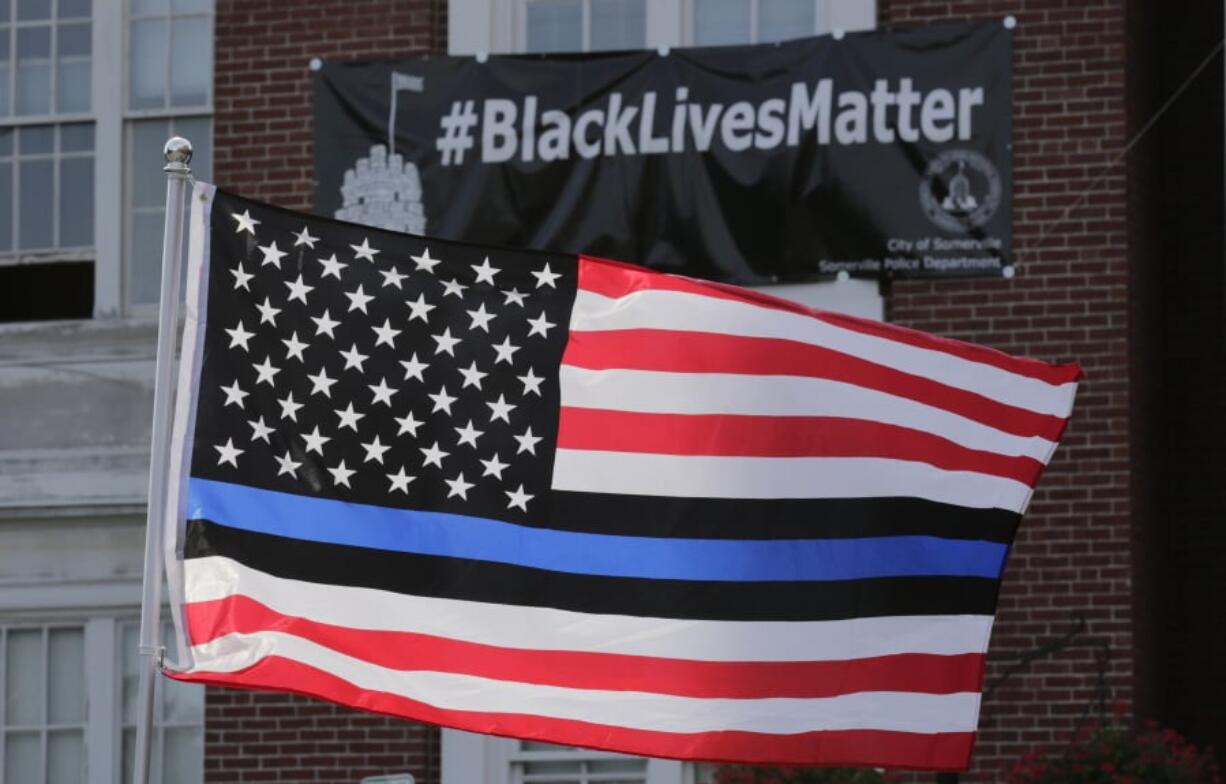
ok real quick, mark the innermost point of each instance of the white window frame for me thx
(108, 92)
(468, 757)
(102, 625)
(500, 26)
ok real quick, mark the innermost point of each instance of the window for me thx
(178, 716)
(89, 92)
(44, 704)
(584, 25)
(47, 147)
(169, 91)
(720, 22)
(69, 699)
(536, 763)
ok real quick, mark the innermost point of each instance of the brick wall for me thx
(262, 138)
(1069, 301)
(255, 736)
(262, 127)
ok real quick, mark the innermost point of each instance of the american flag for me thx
(566, 499)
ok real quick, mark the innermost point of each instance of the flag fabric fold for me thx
(572, 500)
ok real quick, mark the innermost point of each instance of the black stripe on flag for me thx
(484, 581)
(770, 518)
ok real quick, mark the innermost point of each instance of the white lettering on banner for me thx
(510, 127)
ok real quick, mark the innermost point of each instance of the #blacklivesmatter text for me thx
(521, 128)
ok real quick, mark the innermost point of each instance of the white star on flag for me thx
(400, 481)
(458, 486)
(332, 267)
(413, 368)
(433, 456)
(228, 453)
(239, 336)
(241, 278)
(518, 498)
(349, 418)
(287, 465)
(245, 222)
(272, 255)
(424, 262)
(546, 277)
(304, 238)
(298, 290)
(485, 273)
(294, 347)
(234, 395)
(324, 325)
(315, 442)
(260, 431)
(364, 251)
(341, 474)
(321, 384)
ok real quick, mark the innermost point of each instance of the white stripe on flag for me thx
(650, 391)
(702, 476)
(891, 711)
(657, 309)
(546, 629)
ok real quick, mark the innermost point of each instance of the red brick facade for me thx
(1070, 300)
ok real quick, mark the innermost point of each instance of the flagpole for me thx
(178, 156)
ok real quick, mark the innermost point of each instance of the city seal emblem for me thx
(960, 190)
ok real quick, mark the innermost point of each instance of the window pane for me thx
(140, 7)
(73, 77)
(28, 10)
(779, 20)
(76, 202)
(148, 181)
(78, 137)
(74, 9)
(34, 227)
(191, 68)
(6, 142)
(555, 26)
(128, 754)
(22, 754)
(6, 104)
(199, 130)
(192, 6)
(66, 681)
(719, 22)
(618, 24)
(145, 265)
(34, 70)
(147, 81)
(129, 667)
(24, 680)
(36, 140)
(183, 750)
(66, 757)
(6, 206)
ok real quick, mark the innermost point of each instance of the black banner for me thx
(877, 154)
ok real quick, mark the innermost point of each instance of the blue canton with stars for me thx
(346, 362)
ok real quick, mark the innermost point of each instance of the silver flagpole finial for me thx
(178, 155)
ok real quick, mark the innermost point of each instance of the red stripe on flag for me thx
(926, 673)
(777, 436)
(704, 352)
(879, 748)
(617, 279)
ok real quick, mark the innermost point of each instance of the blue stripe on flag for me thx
(460, 536)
